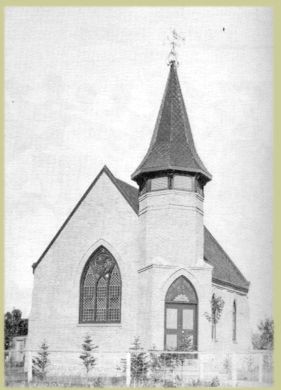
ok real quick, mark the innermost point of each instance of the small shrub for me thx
(265, 336)
(97, 382)
(139, 363)
(215, 382)
(251, 365)
(169, 383)
(196, 383)
(227, 365)
(87, 356)
(41, 362)
(217, 305)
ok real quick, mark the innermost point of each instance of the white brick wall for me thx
(225, 324)
(158, 279)
(104, 217)
(172, 226)
(152, 250)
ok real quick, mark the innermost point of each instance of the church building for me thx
(137, 261)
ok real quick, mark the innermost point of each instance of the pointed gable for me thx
(225, 271)
(129, 193)
(172, 146)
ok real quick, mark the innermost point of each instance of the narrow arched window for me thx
(100, 289)
(234, 321)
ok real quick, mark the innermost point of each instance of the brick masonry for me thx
(152, 250)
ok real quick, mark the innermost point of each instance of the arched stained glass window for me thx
(234, 322)
(100, 289)
(181, 291)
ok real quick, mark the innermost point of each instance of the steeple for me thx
(172, 148)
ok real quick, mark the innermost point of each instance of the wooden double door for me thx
(181, 326)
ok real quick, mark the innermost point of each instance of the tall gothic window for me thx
(100, 289)
(234, 321)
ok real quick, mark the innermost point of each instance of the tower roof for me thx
(172, 146)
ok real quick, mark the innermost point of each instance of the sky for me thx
(83, 87)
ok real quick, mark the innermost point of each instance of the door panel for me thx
(187, 318)
(171, 341)
(180, 326)
(171, 318)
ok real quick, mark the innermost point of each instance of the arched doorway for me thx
(181, 316)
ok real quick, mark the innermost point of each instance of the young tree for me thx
(41, 362)
(14, 325)
(87, 356)
(186, 344)
(139, 363)
(264, 339)
(217, 304)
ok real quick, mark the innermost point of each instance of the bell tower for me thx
(171, 180)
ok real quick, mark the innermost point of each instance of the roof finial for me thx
(174, 40)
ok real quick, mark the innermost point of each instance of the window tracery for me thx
(181, 290)
(100, 289)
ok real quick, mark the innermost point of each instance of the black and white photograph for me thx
(138, 196)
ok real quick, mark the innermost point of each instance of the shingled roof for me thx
(172, 146)
(224, 273)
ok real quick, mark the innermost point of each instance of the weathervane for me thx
(175, 39)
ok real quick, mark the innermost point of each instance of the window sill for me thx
(105, 325)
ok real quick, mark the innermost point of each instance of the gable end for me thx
(119, 184)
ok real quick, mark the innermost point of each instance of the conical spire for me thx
(172, 146)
